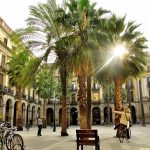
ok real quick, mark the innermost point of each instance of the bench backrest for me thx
(87, 136)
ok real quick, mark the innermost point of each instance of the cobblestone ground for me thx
(53, 141)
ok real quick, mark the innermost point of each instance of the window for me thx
(148, 82)
(5, 41)
(130, 96)
(95, 87)
(3, 60)
(129, 84)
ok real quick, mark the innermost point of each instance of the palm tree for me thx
(83, 20)
(17, 64)
(44, 86)
(45, 34)
(133, 63)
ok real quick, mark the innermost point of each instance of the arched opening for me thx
(23, 113)
(1, 108)
(96, 116)
(32, 120)
(38, 112)
(28, 114)
(49, 116)
(106, 114)
(8, 110)
(60, 116)
(133, 114)
(73, 116)
(15, 114)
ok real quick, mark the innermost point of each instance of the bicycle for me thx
(124, 133)
(9, 138)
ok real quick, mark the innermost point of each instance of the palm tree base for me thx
(19, 128)
(64, 134)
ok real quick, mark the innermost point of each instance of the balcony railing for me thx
(6, 90)
(96, 102)
(73, 102)
(23, 97)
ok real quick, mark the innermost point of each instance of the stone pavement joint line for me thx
(53, 141)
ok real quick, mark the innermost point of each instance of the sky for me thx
(14, 12)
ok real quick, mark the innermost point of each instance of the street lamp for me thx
(54, 126)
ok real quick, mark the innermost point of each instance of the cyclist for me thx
(125, 117)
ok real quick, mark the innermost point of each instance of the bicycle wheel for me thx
(18, 143)
(129, 133)
(9, 142)
(121, 136)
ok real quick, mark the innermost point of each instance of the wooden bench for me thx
(87, 137)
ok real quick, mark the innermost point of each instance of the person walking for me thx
(40, 125)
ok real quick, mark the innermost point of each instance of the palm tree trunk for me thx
(118, 100)
(82, 101)
(108, 107)
(63, 76)
(19, 111)
(44, 115)
(89, 102)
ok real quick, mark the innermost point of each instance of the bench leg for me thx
(81, 147)
(98, 147)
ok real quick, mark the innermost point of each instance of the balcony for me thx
(50, 102)
(23, 97)
(10, 92)
(30, 99)
(73, 103)
(39, 102)
(96, 102)
(5, 90)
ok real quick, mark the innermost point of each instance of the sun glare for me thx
(120, 50)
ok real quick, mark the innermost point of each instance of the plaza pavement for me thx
(53, 141)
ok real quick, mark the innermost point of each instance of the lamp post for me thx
(54, 125)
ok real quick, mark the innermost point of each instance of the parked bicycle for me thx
(124, 133)
(10, 139)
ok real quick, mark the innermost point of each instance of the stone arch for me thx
(23, 113)
(106, 114)
(28, 113)
(8, 111)
(49, 116)
(15, 114)
(96, 116)
(73, 116)
(38, 112)
(133, 114)
(33, 117)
